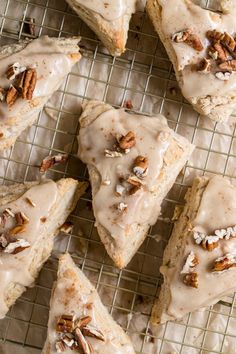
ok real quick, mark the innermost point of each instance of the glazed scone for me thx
(133, 161)
(200, 258)
(30, 72)
(30, 216)
(108, 19)
(202, 48)
(78, 319)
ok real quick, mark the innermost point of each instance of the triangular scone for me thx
(201, 46)
(78, 321)
(108, 19)
(133, 161)
(200, 258)
(30, 216)
(30, 72)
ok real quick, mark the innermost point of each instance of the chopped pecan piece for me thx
(21, 218)
(205, 66)
(112, 153)
(90, 331)
(67, 227)
(27, 83)
(191, 262)
(209, 245)
(8, 212)
(60, 346)
(214, 35)
(127, 141)
(134, 181)
(16, 246)
(17, 230)
(191, 279)
(222, 53)
(11, 96)
(229, 65)
(119, 190)
(133, 190)
(223, 263)
(50, 161)
(187, 36)
(140, 168)
(14, 70)
(65, 323)
(30, 201)
(83, 344)
(83, 321)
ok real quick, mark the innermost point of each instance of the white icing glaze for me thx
(15, 268)
(153, 137)
(217, 210)
(51, 65)
(109, 9)
(70, 297)
(193, 83)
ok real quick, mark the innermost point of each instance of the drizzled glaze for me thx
(217, 210)
(15, 268)
(79, 298)
(153, 137)
(109, 9)
(193, 83)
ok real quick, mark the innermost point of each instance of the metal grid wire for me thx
(129, 293)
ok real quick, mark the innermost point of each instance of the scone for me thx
(78, 321)
(108, 19)
(30, 72)
(133, 161)
(200, 258)
(30, 216)
(201, 45)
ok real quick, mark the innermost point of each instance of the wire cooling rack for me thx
(143, 75)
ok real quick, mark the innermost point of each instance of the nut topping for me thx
(73, 333)
(119, 190)
(2, 94)
(17, 230)
(82, 342)
(91, 331)
(205, 66)
(191, 279)
(50, 161)
(187, 36)
(9, 212)
(191, 262)
(14, 70)
(140, 168)
(65, 324)
(27, 83)
(112, 154)
(122, 207)
(29, 201)
(210, 242)
(229, 65)
(21, 218)
(223, 263)
(11, 96)
(128, 141)
(16, 246)
(67, 227)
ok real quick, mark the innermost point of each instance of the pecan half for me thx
(27, 83)
(187, 36)
(191, 279)
(127, 141)
(11, 96)
(229, 65)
